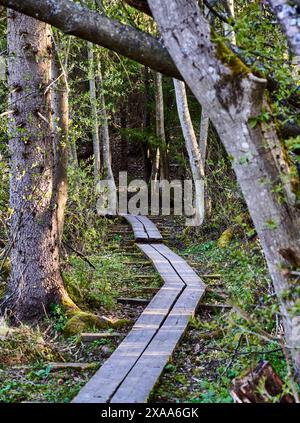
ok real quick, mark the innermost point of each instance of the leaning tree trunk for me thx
(60, 107)
(35, 281)
(232, 96)
(95, 124)
(192, 149)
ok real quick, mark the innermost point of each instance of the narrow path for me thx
(133, 369)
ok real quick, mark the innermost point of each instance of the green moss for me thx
(82, 321)
(225, 238)
(229, 58)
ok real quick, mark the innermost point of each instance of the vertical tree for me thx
(35, 280)
(160, 161)
(60, 108)
(107, 173)
(94, 108)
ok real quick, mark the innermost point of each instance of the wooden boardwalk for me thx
(133, 369)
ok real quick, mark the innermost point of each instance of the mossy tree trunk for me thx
(35, 281)
(233, 96)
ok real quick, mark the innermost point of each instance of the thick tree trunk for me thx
(232, 95)
(192, 149)
(94, 108)
(107, 173)
(35, 280)
(60, 106)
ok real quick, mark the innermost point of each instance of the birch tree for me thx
(94, 109)
(107, 173)
(195, 159)
(232, 96)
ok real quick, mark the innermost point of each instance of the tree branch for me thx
(84, 23)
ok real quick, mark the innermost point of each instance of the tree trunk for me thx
(94, 109)
(35, 281)
(146, 126)
(161, 158)
(287, 13)
(228, 30)
(203, 136)
(60, 106)
(107, 173)
(232, 96)
(192, 149)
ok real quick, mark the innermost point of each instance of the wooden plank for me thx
(140, 381)
(187, 274)
(152, 231)
(134, 367)
(54, 367)
(138, 228)
(133, 301)
(91, 336)
(107, 379)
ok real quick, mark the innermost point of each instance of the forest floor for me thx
(220, 343)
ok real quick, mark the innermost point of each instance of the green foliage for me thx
(92, 287)
(59, 316)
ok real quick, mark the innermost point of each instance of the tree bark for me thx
(192, 148)
(228, 30)
(288, 15)
(232, 95)
(146, 126)
(60, 107)
(107, 173)
(94, 108)
(35, 281)
(203, 136)
(161, 155)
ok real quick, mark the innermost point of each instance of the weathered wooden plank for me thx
(140, 381)
(94, 336)
(54, 367)
(134, 367)
(133, 301)
(138, 228)
(187, 274)
(153, 233)
(104, 383)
